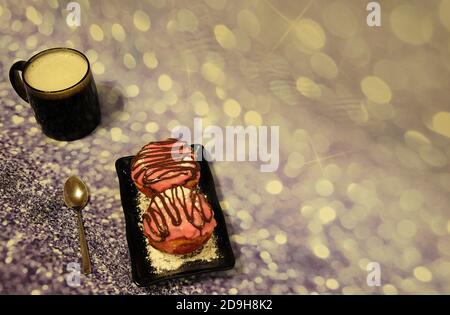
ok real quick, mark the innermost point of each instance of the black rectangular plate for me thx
(141, 269)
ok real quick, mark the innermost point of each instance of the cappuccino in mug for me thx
(59, 85)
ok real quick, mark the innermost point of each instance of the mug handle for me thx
(16, 80)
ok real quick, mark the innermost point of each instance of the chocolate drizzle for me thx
(170, 204)
(164, 160)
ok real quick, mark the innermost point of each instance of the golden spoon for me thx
(76, 196)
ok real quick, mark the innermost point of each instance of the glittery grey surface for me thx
(364, 118)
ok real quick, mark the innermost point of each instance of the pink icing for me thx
(169, 212)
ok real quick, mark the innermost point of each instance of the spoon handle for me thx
(86, 262)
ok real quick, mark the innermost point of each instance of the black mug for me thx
(59, 85)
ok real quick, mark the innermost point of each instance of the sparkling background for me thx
(364, 118)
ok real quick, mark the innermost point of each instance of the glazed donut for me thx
(178, 221)
(164, 164)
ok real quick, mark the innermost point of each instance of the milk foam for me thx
(56, 70)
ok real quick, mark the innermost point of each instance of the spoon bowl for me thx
(76, 193)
